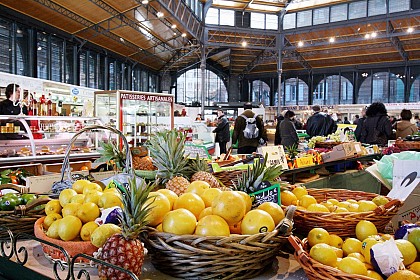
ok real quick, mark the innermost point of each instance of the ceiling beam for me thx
(395, 40)
(69, 14)
(296, 56)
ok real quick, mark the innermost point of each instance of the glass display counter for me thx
(136, 114)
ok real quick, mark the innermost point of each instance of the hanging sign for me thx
(146, 97)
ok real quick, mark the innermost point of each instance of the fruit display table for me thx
(38, 267)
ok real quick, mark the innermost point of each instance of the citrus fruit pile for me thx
(72, 217)
(9, 201)
(299, 196)
(353, 255)
(207, 211)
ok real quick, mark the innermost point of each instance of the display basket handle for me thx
(66, 163)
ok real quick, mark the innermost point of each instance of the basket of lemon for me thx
(338, 210)
(229, 241)
(19, 210)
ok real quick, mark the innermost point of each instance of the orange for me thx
(84, 168)
(275, 211)
(230, 206)
(179, 221)
(257, 221)
(212, 225)
(191, 202)
(160, 205)
(247, 200)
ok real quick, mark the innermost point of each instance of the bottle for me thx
(49, 105)
(43, 109)
(34, 105)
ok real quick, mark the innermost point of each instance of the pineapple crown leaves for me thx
(110, 151)
(197, 164)
(136, 207)
(167, 152)
(259, 172)
(292, 150)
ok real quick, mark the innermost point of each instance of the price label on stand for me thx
(275, 155)
(406, 177)
(192, 150)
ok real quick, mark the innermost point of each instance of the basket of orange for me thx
(338, 210)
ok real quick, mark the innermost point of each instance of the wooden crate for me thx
(74, 166)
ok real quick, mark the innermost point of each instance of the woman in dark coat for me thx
(277, 138)
(377, 128)
(288, 133)
(222, 131)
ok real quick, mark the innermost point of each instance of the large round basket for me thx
(214, 257)
(229, 178)
(23, 217)
(72, 247)
(316, 270)
(343, 224)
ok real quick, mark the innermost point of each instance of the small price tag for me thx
(269, 194)
(305, 161)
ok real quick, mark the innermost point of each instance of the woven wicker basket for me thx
(23, 217)
(199, 257)
(408, 145)
(229, 178)
(316, 270)
(343, 224)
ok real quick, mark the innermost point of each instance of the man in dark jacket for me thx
(377, 128)
(222, 131)
(360, 123)
(246, 145)
(288, 133)
(277, 137)
(320, 124)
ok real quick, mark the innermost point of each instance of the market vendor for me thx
(8, 107)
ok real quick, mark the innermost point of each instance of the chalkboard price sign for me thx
(269, 194)
(192, 150)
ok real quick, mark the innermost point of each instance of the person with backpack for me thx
(249, 131)
(377, 128)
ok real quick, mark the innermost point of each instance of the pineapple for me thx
(110, 152)
(143, 163)
(201, 172)
(125, 249)
(251, 179)
(167, 151)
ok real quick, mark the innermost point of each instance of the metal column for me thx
(203, 78)
(279, 70)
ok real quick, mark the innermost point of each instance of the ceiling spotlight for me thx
(122, 39)
(244, 44)
(374, 34)
(184, 35)
(19, 31)
(159, 14)
(173, 26)
(145, 2)
(367, 36)
(410, 30)
(174, 33)
(332, 40)
(364, 75)
(39, 48)
(300, 44)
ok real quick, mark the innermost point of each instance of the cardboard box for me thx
(99, 176)
(43, 183)
(75, 166)
(343, 151)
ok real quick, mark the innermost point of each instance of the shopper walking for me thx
(404, 127)
(249, 131)
(346, 120)
(288, 132)
(360, 123)
(377, 128)
(277, 137)
(320, 124)
(222, 131)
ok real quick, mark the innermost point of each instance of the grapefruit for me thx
(288, 198)
(160, 205)
(170, 195)
(179, 221)
(210, 194)
(275, 211)
(257, 221)
(212, 225)
(191, 202)
(230, 206)
(198, 187)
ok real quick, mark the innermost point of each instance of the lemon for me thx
(374, 275)
(415, 267)
(366, 206)
(324, 254)
(307, 200)
(70, 209)
(329, 205)
(88, 212)
(159, 227)
(69, 228)
(288, 198)
(341, 210)
(198, 187)
(109, 199)
(207, 211)
(91, 187)
(343, 204)
(172, 196)
(404, 275)
(367, 244)
(53, 206)
(318, 235)
(78, 198)
(352, 201)
(335, 241)
(209, 195)
(358, 256)
(79, 185)
(408, 250)
(299, 191)
(65, 196)
(53, 230)
(338, 252)
(333, 201)
(352, 245)
(364, 229)
(102, 233)
(353, 266)
(93, 196)
(317, 208)
(49, 219)
(380, 200)
(275, 211)
(87, 230)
